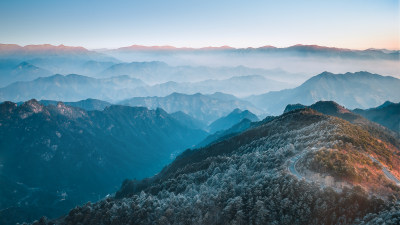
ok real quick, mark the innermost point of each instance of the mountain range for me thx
(302, 167)
(240, 86)
(71, 87)
(387, 114)
(116, 88)
(178, 130)
(333, 109)
(188, 120)
(353, 90)
(206, 108)
(21, 72)
(57, 59)
(57, 156)
(292, 64)
(231, 119)
(87, 104)
(303, 50)
(156, 72)
(303, 59)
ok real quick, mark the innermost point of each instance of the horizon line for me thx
(210, 47)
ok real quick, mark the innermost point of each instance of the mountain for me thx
(326, 107)
(239, 86)
(387, 114)
(71, 87)
(292, 107)
(21, 72)
(331, 52)
(188, 120)
(147, 71)
(92, 68)
(333, 109)
(231, 119)
(225, 134)
(59, 87)
(353, 90)
(205, 108)
(168, 47)
(232, 131)
(303, 50)
(57, 156)
(158, 72)
(57, 59)
(88, 104)
(301, 59)
(385, 104)
(302, 167)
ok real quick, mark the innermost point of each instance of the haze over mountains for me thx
(103, 116)
(57, 59)
(155, 72)
(21, 72)
(205, 108)
(157, 78)
(71, 87)
(302, 60)
(353, 90)
(308, 59)
(121, 87)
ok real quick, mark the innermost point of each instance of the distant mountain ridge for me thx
(21, 72)
(298, 47)
(87, 104)
(353, 90)
(59, 87)
(188, 120)
(239, 86)
(231, 119)
(196, 55)
(156, 72)
(387, 114)
(11, 48)
(206, 108)
(57, 59)
(45, 50)
(66, 60)
(302, 59)
(71, 87)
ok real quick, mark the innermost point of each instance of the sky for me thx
(355, 24)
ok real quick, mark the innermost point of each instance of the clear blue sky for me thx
(357, 24)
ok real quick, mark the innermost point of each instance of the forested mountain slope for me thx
(55, 157)
(87, 104)
(387, 114)
(334, 109)
(245, 179)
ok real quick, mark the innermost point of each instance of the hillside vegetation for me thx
(244, 180)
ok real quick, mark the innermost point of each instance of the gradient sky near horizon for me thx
(356, 24)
